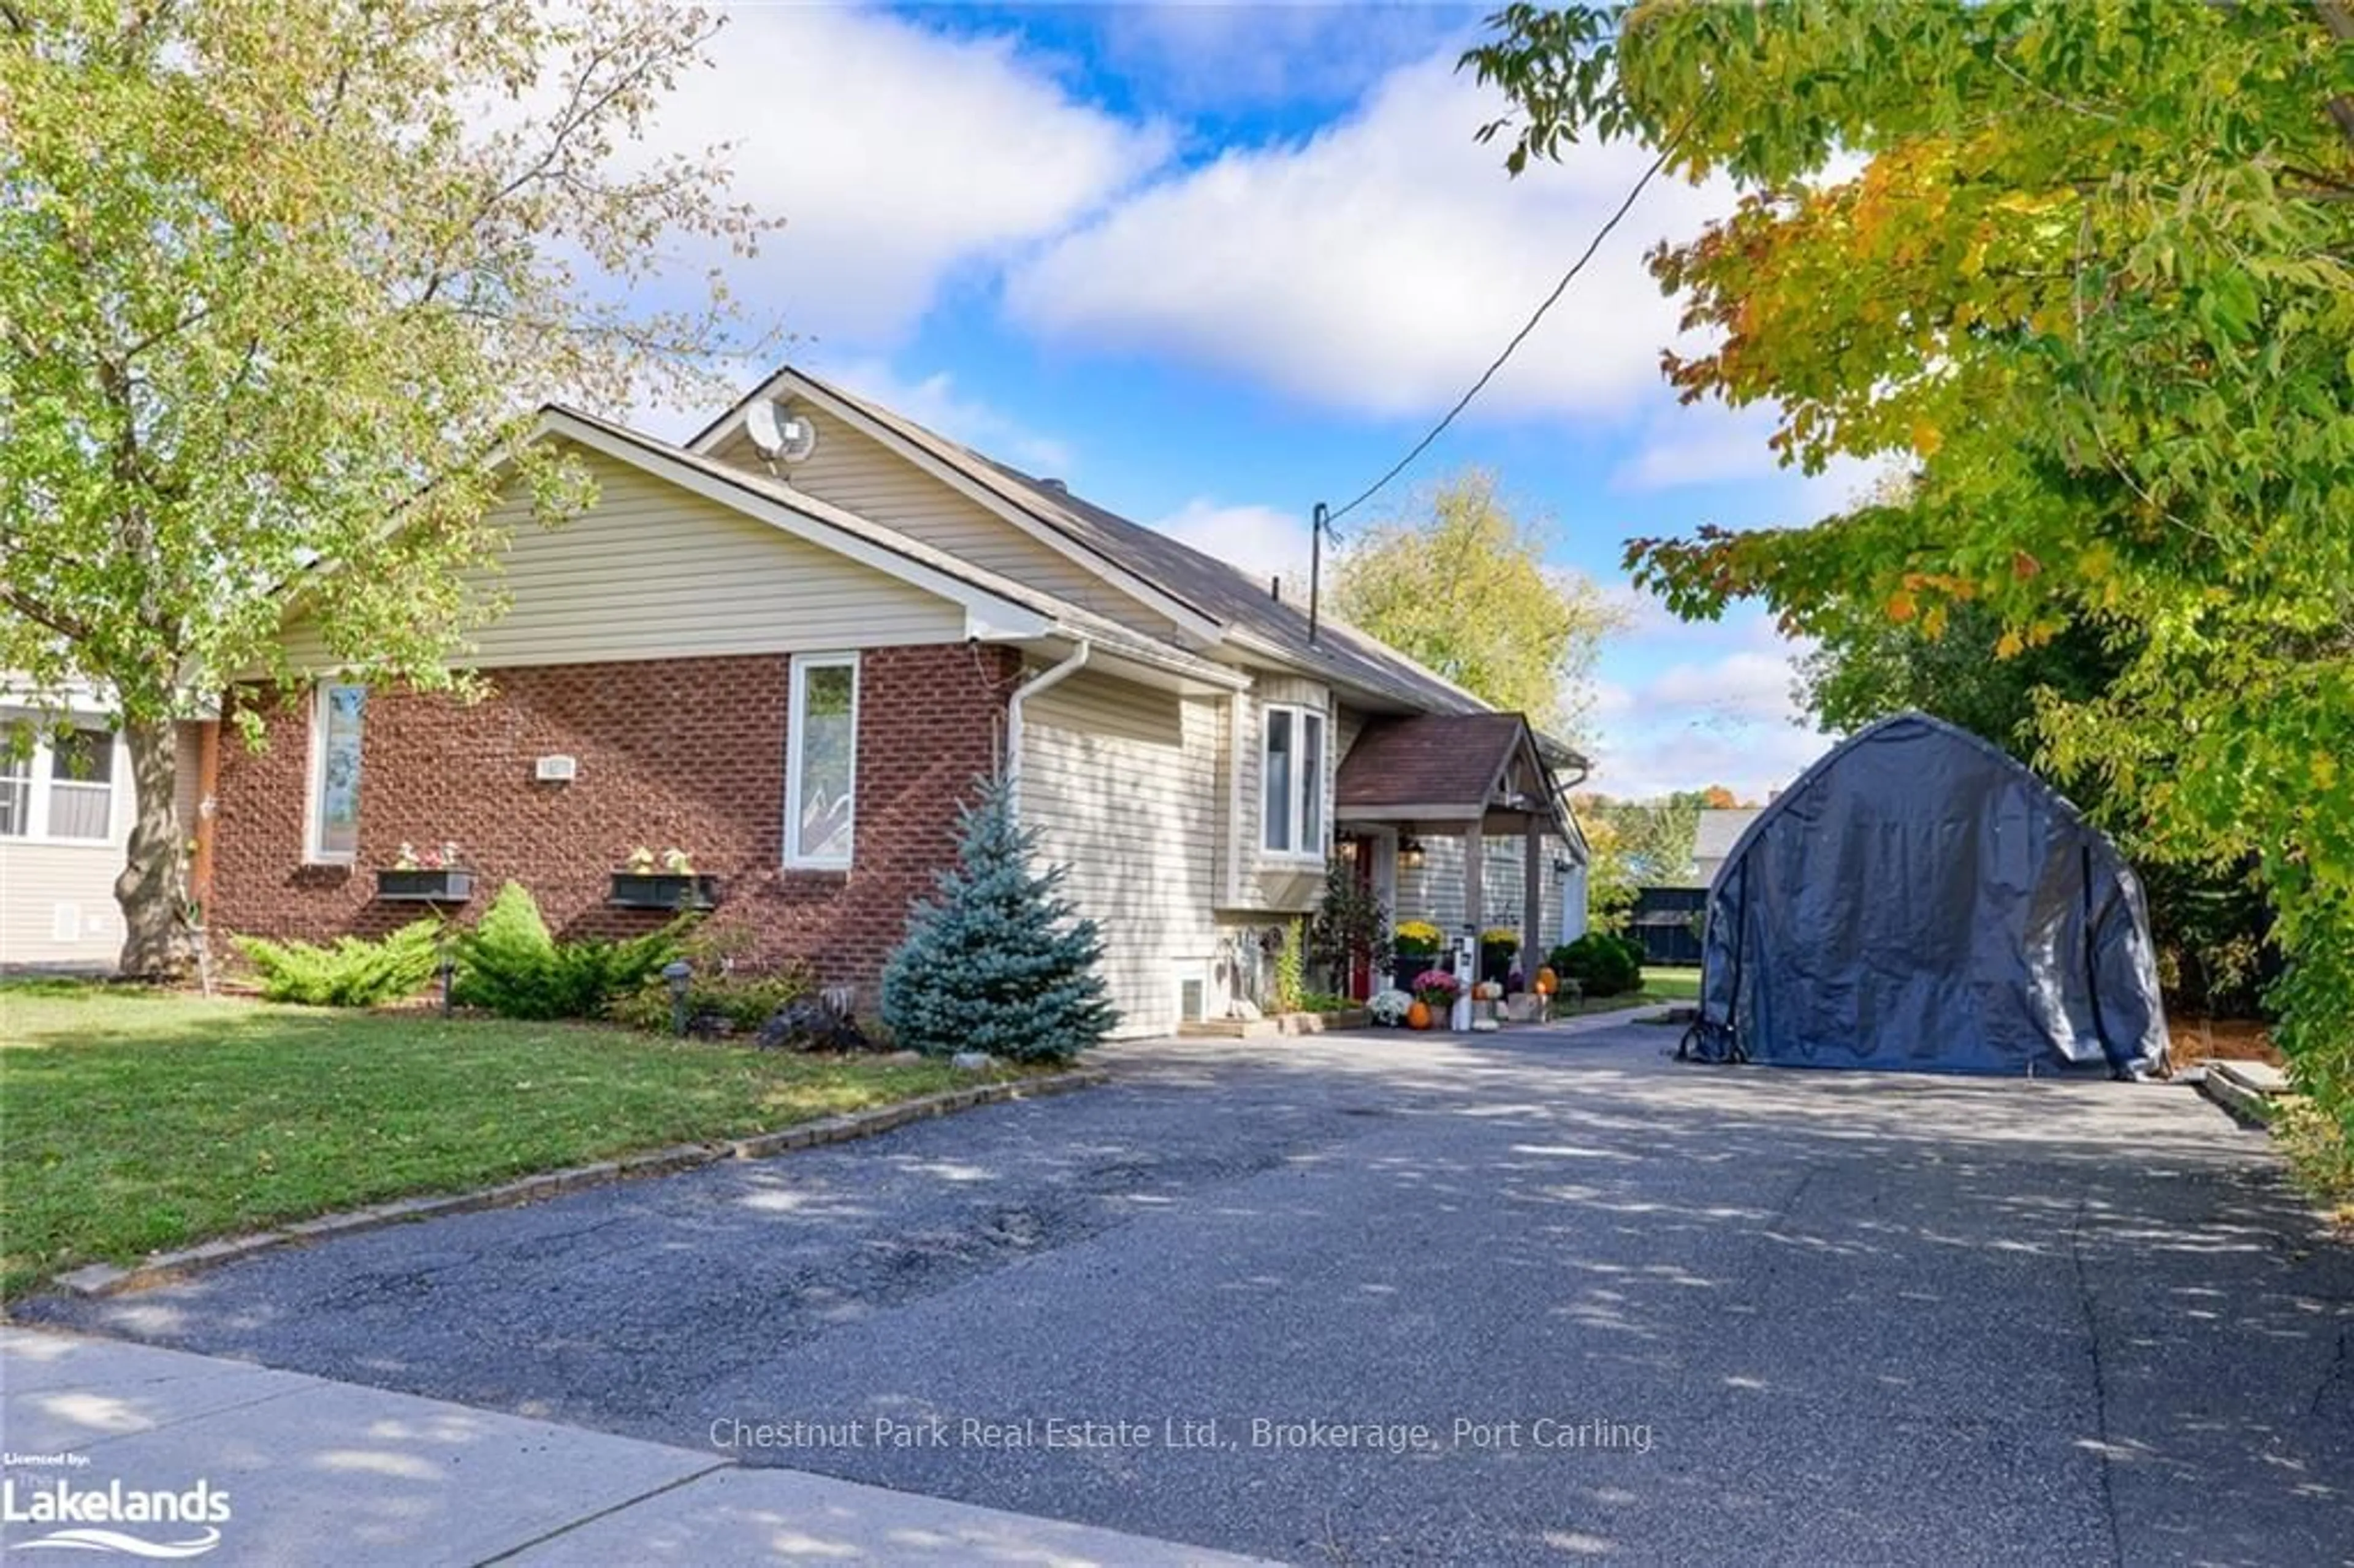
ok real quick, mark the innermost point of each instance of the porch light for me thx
(1349, 849)
(1409, 853)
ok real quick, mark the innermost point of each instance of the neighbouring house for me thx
(65, 811)
(1719, 829)
(792, 661)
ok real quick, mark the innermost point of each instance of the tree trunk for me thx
(152, 888)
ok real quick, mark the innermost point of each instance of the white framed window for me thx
(15, 790)
(338, 711)
(821, 761)
(1291, 781)
(81, 786)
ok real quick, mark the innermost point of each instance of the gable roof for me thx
(1166, 573)
(1439, 767)
(998, 608)
(1720, 828)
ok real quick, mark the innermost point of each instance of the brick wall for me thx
(689, 752)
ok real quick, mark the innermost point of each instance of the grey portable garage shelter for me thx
(1918, 899)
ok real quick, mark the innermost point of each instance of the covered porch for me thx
(1421, 803)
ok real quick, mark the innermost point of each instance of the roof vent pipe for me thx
(1274, 587)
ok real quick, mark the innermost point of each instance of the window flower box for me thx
(663, 890)
(425, 884)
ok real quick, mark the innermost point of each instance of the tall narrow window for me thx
(335, 771)
(81, 785)
(821, 761)
(1291, 782)
(15, 790)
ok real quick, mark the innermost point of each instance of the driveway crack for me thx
(2100, 1378)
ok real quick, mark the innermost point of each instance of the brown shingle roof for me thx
(1447, 760)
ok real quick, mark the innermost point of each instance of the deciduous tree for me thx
(1461, 583)
(2093, 277)
(281, 282)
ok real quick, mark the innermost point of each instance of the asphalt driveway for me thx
(1639, 1312)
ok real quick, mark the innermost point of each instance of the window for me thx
(15, 790)
(81, 785)
(1291, 782)
(821, 760)
(335, 771)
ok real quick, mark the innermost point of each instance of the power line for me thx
(1519, 337)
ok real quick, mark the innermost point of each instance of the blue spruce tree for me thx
(998, 962)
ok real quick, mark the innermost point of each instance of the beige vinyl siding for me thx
(653, 571)
(860, 474)
(1435, 892)
(1122, 784)
(57, 900)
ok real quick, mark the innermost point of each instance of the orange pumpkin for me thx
(1547, 983)
(1418, 1015)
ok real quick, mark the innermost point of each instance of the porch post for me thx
(1531, 900)
(1475, 887)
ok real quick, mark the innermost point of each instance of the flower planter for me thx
(1404, 967)
(449, 885)
(1496, 963)
(662, 890)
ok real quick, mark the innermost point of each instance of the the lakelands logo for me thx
(87, 1517)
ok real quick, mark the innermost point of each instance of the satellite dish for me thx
(760, 423)
(778, 436)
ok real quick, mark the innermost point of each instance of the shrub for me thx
(999, 960)
(510, 965)
(1290, 967)
(1601, 964)
(819, 1020)
(720, 1003)
(354, 972)
(1351, 927)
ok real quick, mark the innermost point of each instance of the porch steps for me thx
(1282, 1023)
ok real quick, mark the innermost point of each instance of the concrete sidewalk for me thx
(313, 1471)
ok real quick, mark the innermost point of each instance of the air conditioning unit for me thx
(556, 770)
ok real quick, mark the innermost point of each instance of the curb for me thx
(106, 1279)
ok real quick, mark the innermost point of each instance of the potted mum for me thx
(665, 882)
(1414, 947)
(428, 875)
(1437, 989)
(1389, 1007)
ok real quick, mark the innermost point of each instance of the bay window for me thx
(1291, 782)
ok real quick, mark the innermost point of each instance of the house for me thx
(65, 811)
(1719, 829)
(793, 662)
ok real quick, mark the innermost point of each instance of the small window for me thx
(821, 761)
(335, 771)
(81, 785)
(15, 790)
(1292, 782)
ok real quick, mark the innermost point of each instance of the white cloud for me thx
(1707, 443)
(1260, 540)
(1683, 706)
(1380, 265)
(895, 153)
(1215, 53)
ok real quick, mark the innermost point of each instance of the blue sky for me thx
(1213, 264)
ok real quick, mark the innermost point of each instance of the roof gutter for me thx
(1054, 675)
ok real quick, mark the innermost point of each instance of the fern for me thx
(353, 972)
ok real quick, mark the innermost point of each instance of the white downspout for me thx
(1054, 675)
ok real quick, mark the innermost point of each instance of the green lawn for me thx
(132, 1121)
(1659, 986)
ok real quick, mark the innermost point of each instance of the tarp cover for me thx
(1920, 900)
